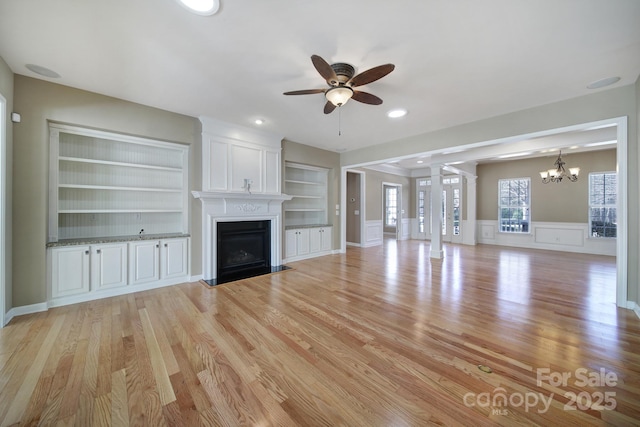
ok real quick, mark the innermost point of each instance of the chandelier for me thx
(556, 175)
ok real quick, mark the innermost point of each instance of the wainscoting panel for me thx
(406, 229)
(559, 236)
(556, 236)
(373, 233)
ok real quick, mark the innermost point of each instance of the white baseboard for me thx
(196, 278)
(95, 295)
(635, 307)
(354, 244)
(25, 309)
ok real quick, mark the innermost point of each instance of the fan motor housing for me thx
(344, 71)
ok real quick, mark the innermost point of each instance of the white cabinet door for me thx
(173, 258)
(303, 243)
(327, 239)
(320, 239)
(297, 242)
(109, 266)
(290, 243)
(315, 240)
(144, 261)
(70, 270)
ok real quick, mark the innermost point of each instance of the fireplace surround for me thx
(241, 182)
(220, 209)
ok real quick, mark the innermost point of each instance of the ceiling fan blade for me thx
(366, 98)
(305, 92)
(324, 69)
(329, 107)
(371, 75)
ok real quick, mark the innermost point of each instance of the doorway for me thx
(354, 207)
(392, 210)
(451, 211)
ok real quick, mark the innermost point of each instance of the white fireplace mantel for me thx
(232, 206)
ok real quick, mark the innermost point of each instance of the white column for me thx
(469, 234)
(436, 211)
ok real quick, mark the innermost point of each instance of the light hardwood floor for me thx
(382, 336)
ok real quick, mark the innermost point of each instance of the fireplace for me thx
(241, 182)
(243, 249)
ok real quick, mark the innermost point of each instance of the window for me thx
(514, 197)
(456, 211)
(391, 205)
(603, 192)
(421, 206)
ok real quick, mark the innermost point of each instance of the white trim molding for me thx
(555, 236)
(373, 232)
(25, 309)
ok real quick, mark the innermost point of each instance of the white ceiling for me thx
(456, 61)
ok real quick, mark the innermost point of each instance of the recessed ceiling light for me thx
(259, 121)
(420, 162)
(43, 71)
(603, 82)
(201, 7)
(394, 114)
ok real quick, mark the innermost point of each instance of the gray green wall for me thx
(38, 102)
(6, 89)
(305, 154)
(553, 202)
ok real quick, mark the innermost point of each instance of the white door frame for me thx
(398, 207)
(3, 207)
(345, 204)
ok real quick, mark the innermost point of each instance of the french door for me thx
(451, 210)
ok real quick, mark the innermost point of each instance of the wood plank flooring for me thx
(382, 336)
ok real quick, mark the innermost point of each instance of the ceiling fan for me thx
(341, 80)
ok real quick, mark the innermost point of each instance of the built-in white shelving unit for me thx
(105, 184)
(308, 186)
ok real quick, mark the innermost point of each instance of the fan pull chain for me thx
(339, 121)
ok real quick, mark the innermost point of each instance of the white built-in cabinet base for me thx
(80, 273)
(308, 242)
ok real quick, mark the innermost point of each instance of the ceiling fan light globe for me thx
(339, 96)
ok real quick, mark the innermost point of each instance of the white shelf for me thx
(308, 186)
(108, 184)
(300, 196)
(293, 181)
(108, 187)
(124, 164)
(93, 211)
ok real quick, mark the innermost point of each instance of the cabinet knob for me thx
(98, 251)
(158, 245)
(86, 252)
(166, 245)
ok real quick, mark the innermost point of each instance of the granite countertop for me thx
(292, 227)
(113, 239)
